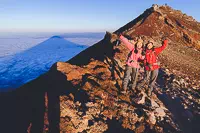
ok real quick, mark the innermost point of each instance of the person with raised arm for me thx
(132, 63)
(151, 64)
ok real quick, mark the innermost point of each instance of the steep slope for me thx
(82, 94)
(163, 20)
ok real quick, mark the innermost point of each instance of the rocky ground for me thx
(105, 110)
(172, 108)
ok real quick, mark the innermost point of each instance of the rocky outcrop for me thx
(101, 80)
(102, 104)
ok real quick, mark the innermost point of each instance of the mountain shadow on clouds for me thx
(25, 66)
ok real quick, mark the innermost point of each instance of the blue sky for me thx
(79, 15)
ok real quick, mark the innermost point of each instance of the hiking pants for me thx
(149, 79)
(133, 72)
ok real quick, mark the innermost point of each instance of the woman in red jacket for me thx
(152, 65)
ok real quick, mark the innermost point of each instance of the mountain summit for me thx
(159, 21)
(82, 94)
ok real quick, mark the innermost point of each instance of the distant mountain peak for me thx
(58, 37)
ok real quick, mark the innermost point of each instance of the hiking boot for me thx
(139, 89)
(149, 92)
(123, 92)
(134, 89)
